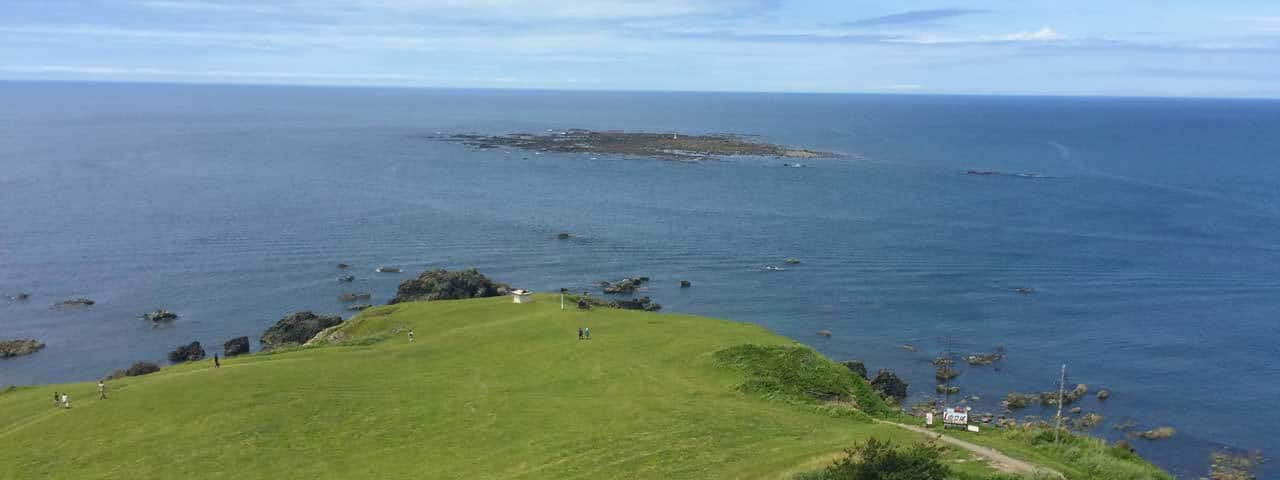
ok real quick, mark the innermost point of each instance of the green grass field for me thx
(489, 389)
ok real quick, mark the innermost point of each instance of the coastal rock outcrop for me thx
(856, 366)
(889, 385)
(187, 353)
(137, 369)
(295, 329)
(19, 347)
(628, 285)
(235, 346)
(642, 303)
(1160, 433)
(441, 284)
(159, 316)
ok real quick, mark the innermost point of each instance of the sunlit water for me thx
(1153, 244)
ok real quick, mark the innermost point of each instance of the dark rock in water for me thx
(642, 303)
(889, 385)
(563, 236)
(387, 270)
(685, 284)
(944, 372)
(441, 284)
(159, 316)
(19, 347)
(235, 346)
(1016, 401)
(20, 296)
(985, 358)
(347, 278)
(343, 265)
(1076, 410)
(791, 261)
(629, 285)
(141, 368)
(77, 302)
(1104, 394)
(187, 353)
(351, 297)
(824, 333)
(356, 307)
(295, 329)
(857, 367)
(941, 388)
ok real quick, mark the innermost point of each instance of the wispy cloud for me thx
(481, 10)
(913, 16)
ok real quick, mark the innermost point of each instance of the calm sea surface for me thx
(1153, 242)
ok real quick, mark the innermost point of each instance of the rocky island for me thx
(666, 146)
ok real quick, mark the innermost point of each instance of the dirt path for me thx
(997, 460)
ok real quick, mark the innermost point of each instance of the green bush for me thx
(880, 460)
(799, 374)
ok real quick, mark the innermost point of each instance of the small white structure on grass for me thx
(521, 296)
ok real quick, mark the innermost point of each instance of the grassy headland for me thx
(489, 389)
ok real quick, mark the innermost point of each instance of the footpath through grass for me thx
(489, 389)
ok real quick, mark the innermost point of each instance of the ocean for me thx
(1151, 236)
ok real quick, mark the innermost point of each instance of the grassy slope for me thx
(489, 390)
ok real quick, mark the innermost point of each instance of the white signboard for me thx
(955, 416)
(928, 418)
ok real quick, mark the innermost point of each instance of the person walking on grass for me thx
(411, 335)
(216, 363)
(579, 333)
(57, 399)
(66, 400)
(102, 390)
(587, 331)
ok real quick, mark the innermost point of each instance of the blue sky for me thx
(1226, 48)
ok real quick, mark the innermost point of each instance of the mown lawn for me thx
(489, 389)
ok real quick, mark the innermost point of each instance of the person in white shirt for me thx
(66, 401)
(102, 390)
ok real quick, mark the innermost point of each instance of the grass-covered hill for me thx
(489, 389)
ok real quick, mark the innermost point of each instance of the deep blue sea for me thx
(1152, 240)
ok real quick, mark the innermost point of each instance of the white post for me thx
(1062, 383)
(562, 301)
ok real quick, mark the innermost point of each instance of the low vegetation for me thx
(489, 389)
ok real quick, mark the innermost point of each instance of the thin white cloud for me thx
(377, 78)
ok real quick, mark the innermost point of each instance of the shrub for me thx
(141, 368)
(799, 374)
(880, 460)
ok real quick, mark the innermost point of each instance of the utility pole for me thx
(946, 385)
(1062, 384)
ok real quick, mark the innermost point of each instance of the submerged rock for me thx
(889, 385)
(347, 278)
(824, 333)
(1016, 401)
(562, 236)
(441, 284)
(685, 284)
(985, 358)
(1104, 394)
(791, 261)
(20, 296)
(1160, 433)
(187, 353)
(1024, 290)
(77, 302)
(159, 316)
(235, 346)
(19, 347)
(946, 389)
(387, 270)
(351, 297)
(343, 265)
(356, 307)
(295, 329)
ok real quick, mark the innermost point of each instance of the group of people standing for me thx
(584, 333)
(63, 400)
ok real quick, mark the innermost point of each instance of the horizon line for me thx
(623, 90)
